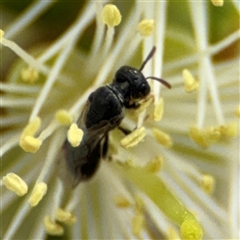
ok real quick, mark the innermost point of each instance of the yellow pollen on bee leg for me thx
(52, 228)
(208, 183)
(29, 75)
(154, 165)
(30, 144)
(162, 138)
(64, 117)
(65, 217)
(39, 190)
(217, 3)
(75, 135)
(121, 201)
(158, 110)
(146, 27)
(133, 138)
(190, 82)
(15, 184)
(111, 16)
(1, 35)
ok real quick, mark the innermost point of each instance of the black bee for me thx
(103, 112)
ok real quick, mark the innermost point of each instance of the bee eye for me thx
(121, 79)
(144, 89)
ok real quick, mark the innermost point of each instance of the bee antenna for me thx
(148, 58)
(165, 83)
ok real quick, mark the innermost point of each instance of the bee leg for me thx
(133, 105)
(105, 146)
(124, 130)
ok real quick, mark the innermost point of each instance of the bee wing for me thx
(80, 163)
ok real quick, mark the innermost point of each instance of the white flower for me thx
(169, 178)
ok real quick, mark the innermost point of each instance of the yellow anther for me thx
(29, 75)
(162, 138)
(65, 217)
(238, 111)
(133, 138)
(64, 117)
(158, 110)
(52, 228)
(217, 3)
(137, 224)
(212, 134)
(199, 136)
(30, 144)
(74, 135)
(111, 16)
(121, 201)
(39, 190)
(229, 131)
(154, 165)
(190, 229)
(32, 127)
(146, 27)
(15, 184)
(208, 183)
(1, 35)
(190, 82)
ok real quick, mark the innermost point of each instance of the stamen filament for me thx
(199, 20)
(9, 144)
(50, 157)
(74, 200)
(17, 88)
(25, 56)
(214, 94)
(17, 220)
(159, 36)
(7, 121)
(108, 41)
(210, 50)
(27, 17)
(185, 185)
(74, 31)
(52, 78)
(15, 103)
(56, 199)
(99, 33)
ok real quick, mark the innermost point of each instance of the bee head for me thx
(133, 82)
